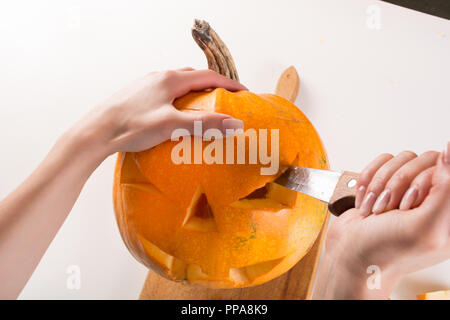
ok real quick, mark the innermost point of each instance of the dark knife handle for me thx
(344, 194)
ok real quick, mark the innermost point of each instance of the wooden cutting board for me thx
(294, 284)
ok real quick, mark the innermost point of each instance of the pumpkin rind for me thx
(252, 240)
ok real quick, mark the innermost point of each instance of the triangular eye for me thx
(259, 193)
(132, 174)
(271, 196)
(199, 215)
(133, 177)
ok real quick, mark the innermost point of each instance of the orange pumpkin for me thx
(221, 225)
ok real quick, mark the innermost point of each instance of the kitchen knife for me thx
(338, 189)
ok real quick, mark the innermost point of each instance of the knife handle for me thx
(344, 194)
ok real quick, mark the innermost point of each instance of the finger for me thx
(203, 79)
(196, 123)
(381, 177)
(440, 182)
(435, 209)
(401, 180)
(367, 174)
(418, 190)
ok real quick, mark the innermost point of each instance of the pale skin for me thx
(404, 232)
(142, 115)
(136, 118)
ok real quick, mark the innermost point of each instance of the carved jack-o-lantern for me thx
(221, 225)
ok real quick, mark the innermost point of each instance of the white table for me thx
(367, 91)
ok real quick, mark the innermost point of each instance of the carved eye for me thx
(271, 196)
(199, 215)
(259, 193)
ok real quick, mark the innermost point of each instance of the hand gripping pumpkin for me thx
(221, 225)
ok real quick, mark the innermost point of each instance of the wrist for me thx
(91, 136)
(343, 276)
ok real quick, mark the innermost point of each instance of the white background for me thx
(367, 91)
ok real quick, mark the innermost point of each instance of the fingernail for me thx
(231, 125)
(409, 198)
(447, 153)
(366, 205)
(359, 196)
(382, 201)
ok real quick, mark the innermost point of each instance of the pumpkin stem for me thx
(216, 52)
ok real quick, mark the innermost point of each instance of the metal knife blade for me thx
(319, 184)
(335, 188)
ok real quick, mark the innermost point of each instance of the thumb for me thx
(196, 123)
(438, 197)
(442, 173)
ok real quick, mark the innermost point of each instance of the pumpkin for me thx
(436, 295)
(221, 225)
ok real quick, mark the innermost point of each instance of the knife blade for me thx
(338, 189)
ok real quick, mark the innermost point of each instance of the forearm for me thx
(32, 214)
(135, 118)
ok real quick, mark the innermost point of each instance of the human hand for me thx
(141, 115)
(397, 241)
(390, 182)
(134, 119)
